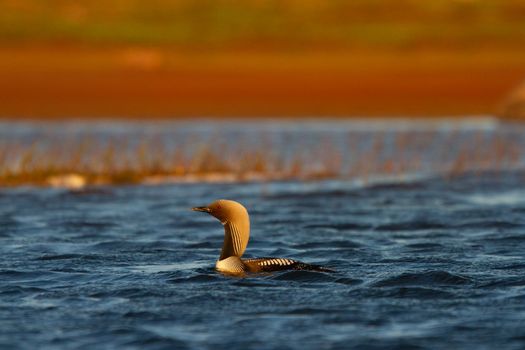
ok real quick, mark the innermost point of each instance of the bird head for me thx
(224, 210)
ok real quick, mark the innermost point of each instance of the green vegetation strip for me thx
(280, 23)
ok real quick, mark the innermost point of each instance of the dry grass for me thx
(275, 23)
(44, 160)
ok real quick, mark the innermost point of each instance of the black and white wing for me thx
(280, 264)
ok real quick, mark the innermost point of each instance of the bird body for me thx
(236, 221)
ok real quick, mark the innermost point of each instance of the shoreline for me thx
(71, 154)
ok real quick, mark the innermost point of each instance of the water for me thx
(429, 263)
(116, 152)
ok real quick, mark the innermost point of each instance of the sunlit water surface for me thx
(436, 263)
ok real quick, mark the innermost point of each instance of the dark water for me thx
(428, 264)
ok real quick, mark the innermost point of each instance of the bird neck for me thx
(236, 236)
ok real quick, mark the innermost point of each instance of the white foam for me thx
(500, 198)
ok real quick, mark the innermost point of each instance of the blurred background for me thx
(130, 61)
(254, 58)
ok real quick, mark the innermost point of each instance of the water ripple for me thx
(423, 279)
(429, 264)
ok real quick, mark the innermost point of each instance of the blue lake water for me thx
(423, 223)
(435, 263)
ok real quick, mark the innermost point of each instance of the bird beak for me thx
(203, 209)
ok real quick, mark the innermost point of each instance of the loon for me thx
(236, 221)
